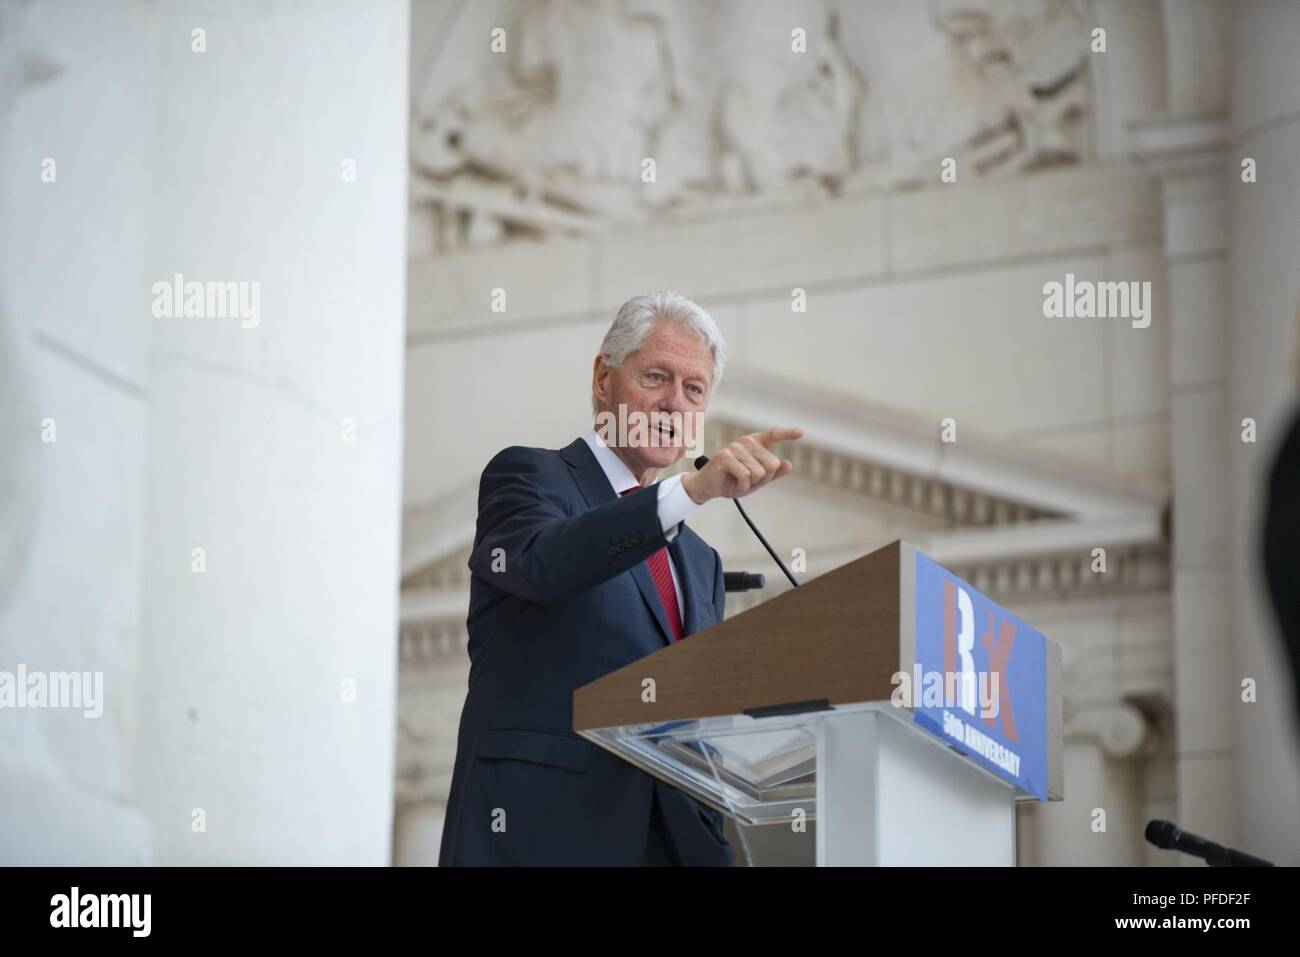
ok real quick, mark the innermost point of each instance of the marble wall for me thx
(215, 526)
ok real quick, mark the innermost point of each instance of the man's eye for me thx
(656, 376)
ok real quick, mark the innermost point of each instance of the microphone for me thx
(702, 461)
(1168, 835)
(743, 581)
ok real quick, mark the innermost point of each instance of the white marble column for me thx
(1263, 356)
(76, 132)
(1100, 821)
(268, 680)
(250, 688)
(1187, 154)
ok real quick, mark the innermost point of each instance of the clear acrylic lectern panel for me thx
(856, 784)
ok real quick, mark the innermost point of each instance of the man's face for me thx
(667, 383)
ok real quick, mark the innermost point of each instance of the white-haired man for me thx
(582, 564)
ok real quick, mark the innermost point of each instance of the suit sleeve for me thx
(719, 586)
(527, 544)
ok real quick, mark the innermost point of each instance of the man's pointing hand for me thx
(742, 467)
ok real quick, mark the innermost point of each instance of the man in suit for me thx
(582, 563)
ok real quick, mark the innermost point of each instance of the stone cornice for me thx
(1172, 146)
(913, 445)
(433, 619)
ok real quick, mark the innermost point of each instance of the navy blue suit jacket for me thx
(560, 594)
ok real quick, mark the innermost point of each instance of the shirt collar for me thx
(620, 476)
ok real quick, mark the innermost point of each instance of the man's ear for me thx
(600, 378)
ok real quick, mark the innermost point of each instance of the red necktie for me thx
(662, 573)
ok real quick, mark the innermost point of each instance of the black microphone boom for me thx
(1169, 836)
(702, 461)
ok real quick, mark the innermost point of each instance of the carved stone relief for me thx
(554, 133)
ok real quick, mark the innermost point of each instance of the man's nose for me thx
(673, 399)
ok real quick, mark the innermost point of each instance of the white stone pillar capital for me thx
(1117, 727)
(1189, 156)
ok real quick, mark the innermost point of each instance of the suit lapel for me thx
(596, 490)
(588, 474)
(686, 571)
(641, 575)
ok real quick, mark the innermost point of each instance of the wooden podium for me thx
(857, 701)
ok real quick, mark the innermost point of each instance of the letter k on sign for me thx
(998, 658)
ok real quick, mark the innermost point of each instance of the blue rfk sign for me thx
(978, 646)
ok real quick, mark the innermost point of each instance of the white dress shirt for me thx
(674, 502)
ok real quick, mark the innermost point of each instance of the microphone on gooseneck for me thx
(743, 581)
(1169, 836)
(702, 461)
